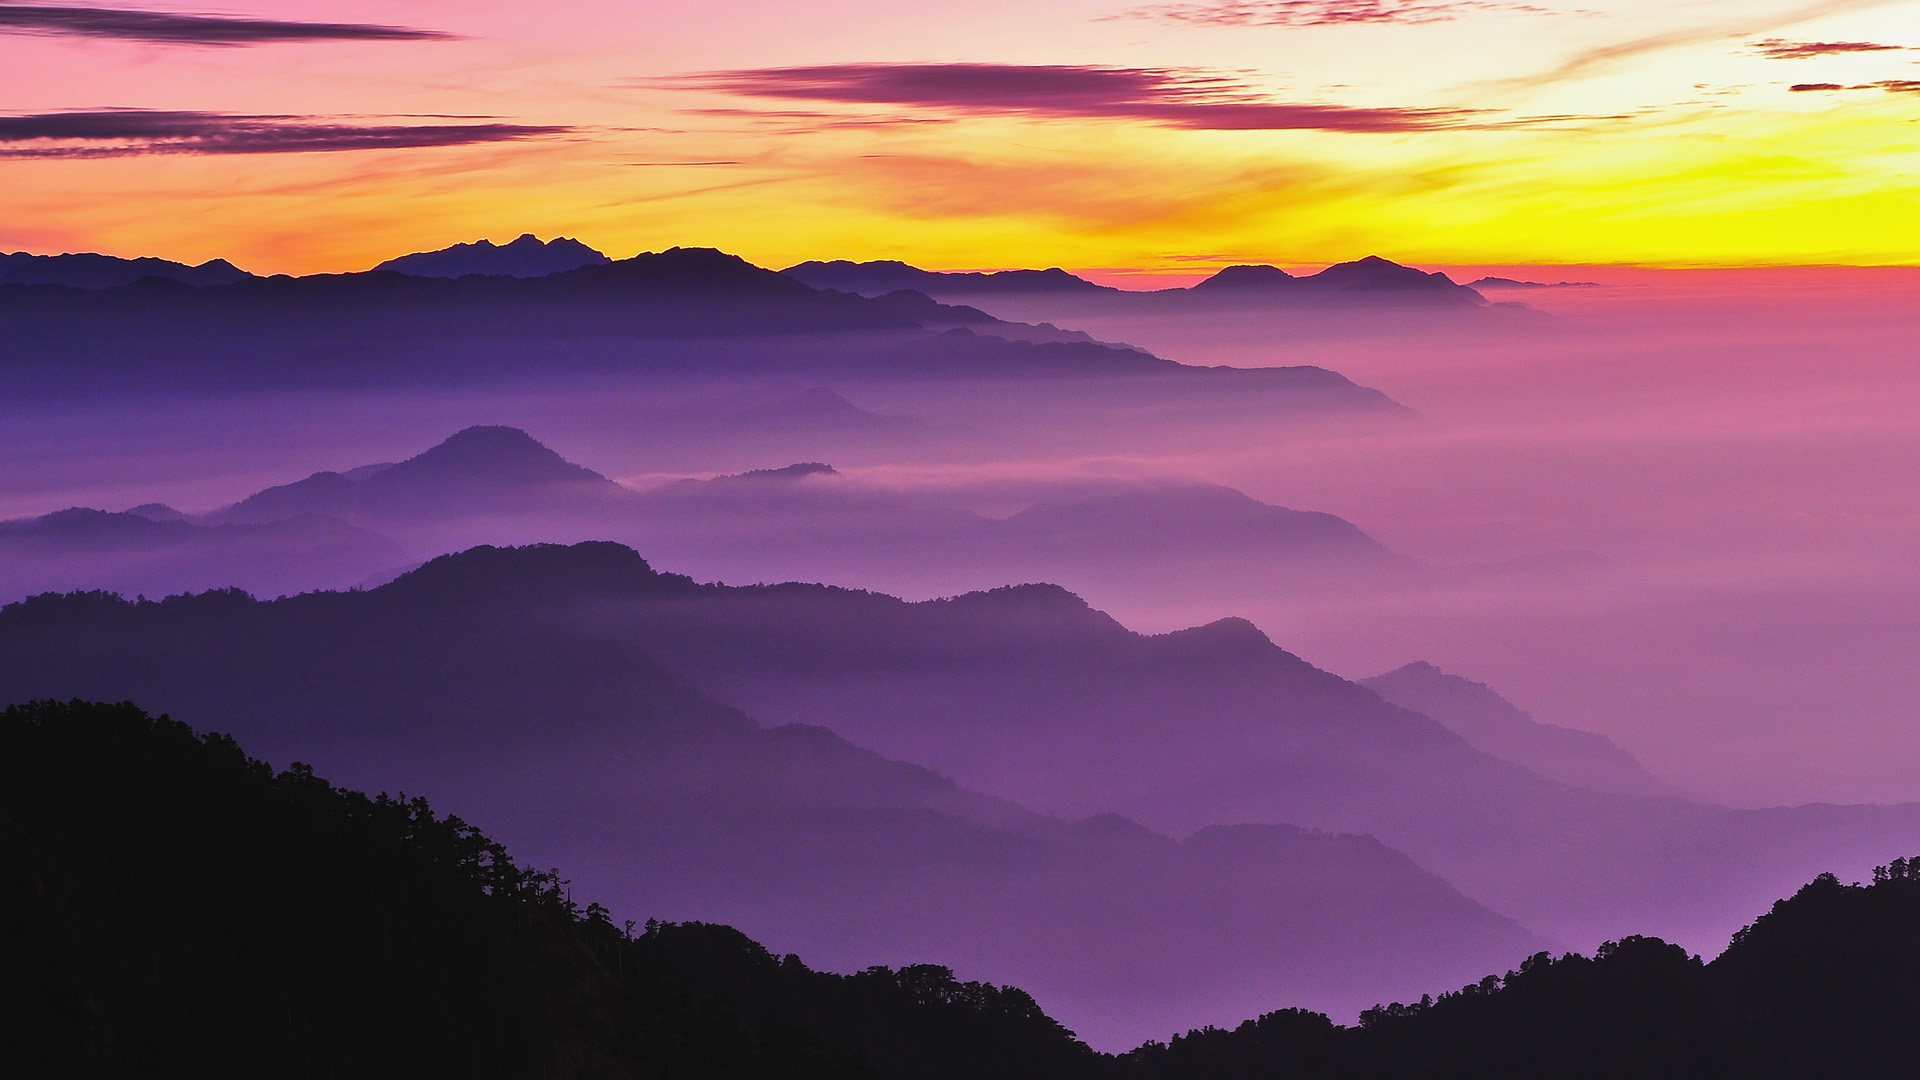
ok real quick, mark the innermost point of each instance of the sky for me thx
(1104, 135)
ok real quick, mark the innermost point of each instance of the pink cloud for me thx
(174, 28)
(98, 133)
(1170, 96)
(1321, 12)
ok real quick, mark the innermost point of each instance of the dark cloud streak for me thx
(1779, 49)
(1891, 86)
(1322, 12)
(103, 133)
(1168, 96)
(170, 28)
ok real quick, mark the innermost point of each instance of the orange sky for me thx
(1086, 134)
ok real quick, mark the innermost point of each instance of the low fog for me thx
(1680, 512)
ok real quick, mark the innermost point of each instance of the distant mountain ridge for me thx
(890, 275)
(1371, 279)
(497, 680)
(1495, 726)
(481, 467)
(87, 270)
(526, 257)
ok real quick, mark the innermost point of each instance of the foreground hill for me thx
(1827, 983)
(488, 681)
(174, 908)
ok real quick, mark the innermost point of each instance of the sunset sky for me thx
(296, 136)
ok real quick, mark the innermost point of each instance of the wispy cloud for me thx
(1604, 56)
(1320, 12)
(1174, 97)
(1891, 86)
(100, 133)
(172, 28)
(1780, 49)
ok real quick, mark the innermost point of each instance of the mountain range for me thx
(1029, 695)
(1496, 726)
(499, 485)
(493, 680)
(525, 257)
(178, 908)
(86, 270)
(683, 314)
(1372, 280)
(157, 551)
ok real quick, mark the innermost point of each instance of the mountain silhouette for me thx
(153, 550)
(1371, 280)
(685, 312)
(1063, 710)
(885, 276)
(1249, 277)
(507, 488)
(933, 315)
(90, 271)
(177, 908)
(1510, 283)
(504, 682)
(478, 470)
(1492, 724)
(1186, 522)
(526, 257)
(1822, 984)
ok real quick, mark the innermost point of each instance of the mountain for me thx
(1034, 696)
(1372, 280)
(1510, 283)
(500, 485)
(502, 682)
(933, 315)
(89, 271)
(1823, 984)
(480, 470)
(1376, 276)
(1493, 725)
(679, 314)
(885, 276)
(526, 257)
(1186, 522)
(150, 551)
(788, 409)
(177, 908)
(174, 908)
(1249, 277)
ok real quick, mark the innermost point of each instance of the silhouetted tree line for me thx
(1825, 984)
(170, 907)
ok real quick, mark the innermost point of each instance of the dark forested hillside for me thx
(483, 682)
(1825, 984)
(170, 907)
